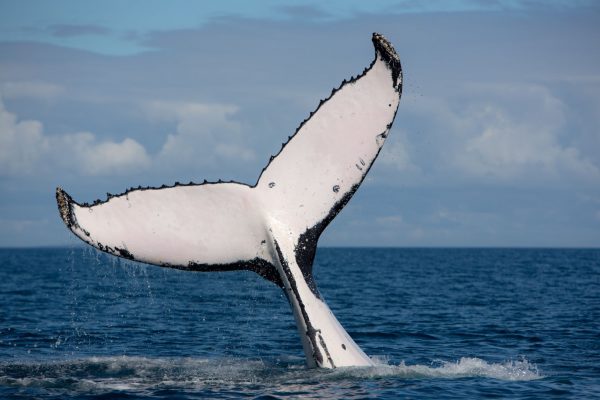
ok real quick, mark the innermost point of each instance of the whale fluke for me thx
(272, 227)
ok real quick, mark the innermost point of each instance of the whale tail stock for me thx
(271, 228)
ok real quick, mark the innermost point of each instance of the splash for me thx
(101, 374)
(466, 367)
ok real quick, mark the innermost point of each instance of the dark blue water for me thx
(442, 323)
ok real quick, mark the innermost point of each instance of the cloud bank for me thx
(26, 150)
(495, 143)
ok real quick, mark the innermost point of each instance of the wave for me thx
(466, 367)
(101, 374)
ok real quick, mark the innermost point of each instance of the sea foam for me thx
(465, 367)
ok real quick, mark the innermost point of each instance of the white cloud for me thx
(82, 151)
(204, 134)
(510, 143)
(500, 132)
(25, 149)
(22, 143)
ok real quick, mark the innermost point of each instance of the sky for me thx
(496, 141)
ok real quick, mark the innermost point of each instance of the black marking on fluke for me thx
(389, 55)
(117, 251)
(65, 207)
(257, 265)
(125, 253)
(311, 332)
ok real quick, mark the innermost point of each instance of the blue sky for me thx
(496, 142)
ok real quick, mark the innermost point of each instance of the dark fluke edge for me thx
(389, 55)
(65, 207)
(291, 268)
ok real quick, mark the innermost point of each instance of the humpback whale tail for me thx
(272, 227)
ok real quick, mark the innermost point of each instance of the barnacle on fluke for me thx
(273, 226)
(64, 202)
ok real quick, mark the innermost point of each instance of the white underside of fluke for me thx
(273, 227)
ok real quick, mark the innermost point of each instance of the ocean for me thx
(441, 323)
